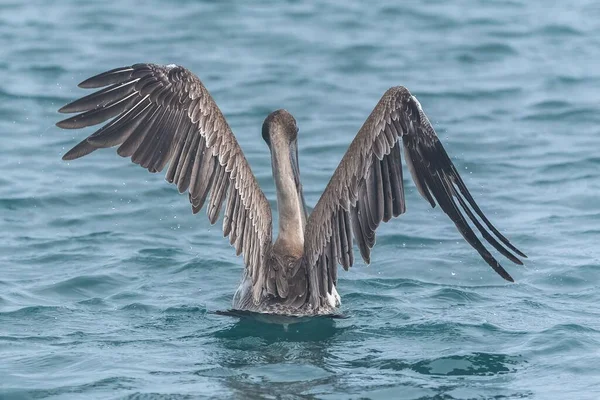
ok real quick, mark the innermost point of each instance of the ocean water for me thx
(108, 283)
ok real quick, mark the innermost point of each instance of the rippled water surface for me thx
(108, 283)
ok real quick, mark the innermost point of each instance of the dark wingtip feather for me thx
(65, 109)
(517, 261)
(498, 268)
(502, 272)
(83, 148)
(67, 123)
(73, 107)
(116, 75)
(519, 252)
(486, 235)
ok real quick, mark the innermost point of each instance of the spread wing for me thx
(164, 114)
(366, 188)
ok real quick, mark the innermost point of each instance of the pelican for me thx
(163, 114)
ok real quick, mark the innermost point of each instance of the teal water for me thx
(107, 282)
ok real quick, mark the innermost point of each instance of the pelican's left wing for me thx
(164, 114)
(367, 188)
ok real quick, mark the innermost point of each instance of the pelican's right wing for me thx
(367, 188)
(164, 114)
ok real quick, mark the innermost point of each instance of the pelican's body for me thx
(164, 115)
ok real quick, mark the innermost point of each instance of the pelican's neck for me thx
(290, 202)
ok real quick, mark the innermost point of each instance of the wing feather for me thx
(369, 184)
(164, 115)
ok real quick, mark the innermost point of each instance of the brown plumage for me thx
(164, 115)
(367, 188)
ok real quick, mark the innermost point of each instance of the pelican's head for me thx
(280, 128)
(280, 132)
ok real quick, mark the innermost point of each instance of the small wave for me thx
(94, 303)
(139, 307)
(437, 21)
(552, 104)
(158, 396)
(410, 241)
(578, 115)
(85, 286)
(160, 252)
(558, 30)
(52, 69)
(474, 364)
(30, 339)
(206, 265)
(394, 283)
(6, 95)
(574, 165)
(569, 329)
(455, 295)
(474, 94)
(185, 310)
(486, 52)
(116, 383)
(35, 311)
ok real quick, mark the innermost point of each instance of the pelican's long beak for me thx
(296, 171)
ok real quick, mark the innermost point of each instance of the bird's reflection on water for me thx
(271, 328)
(258, 358)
